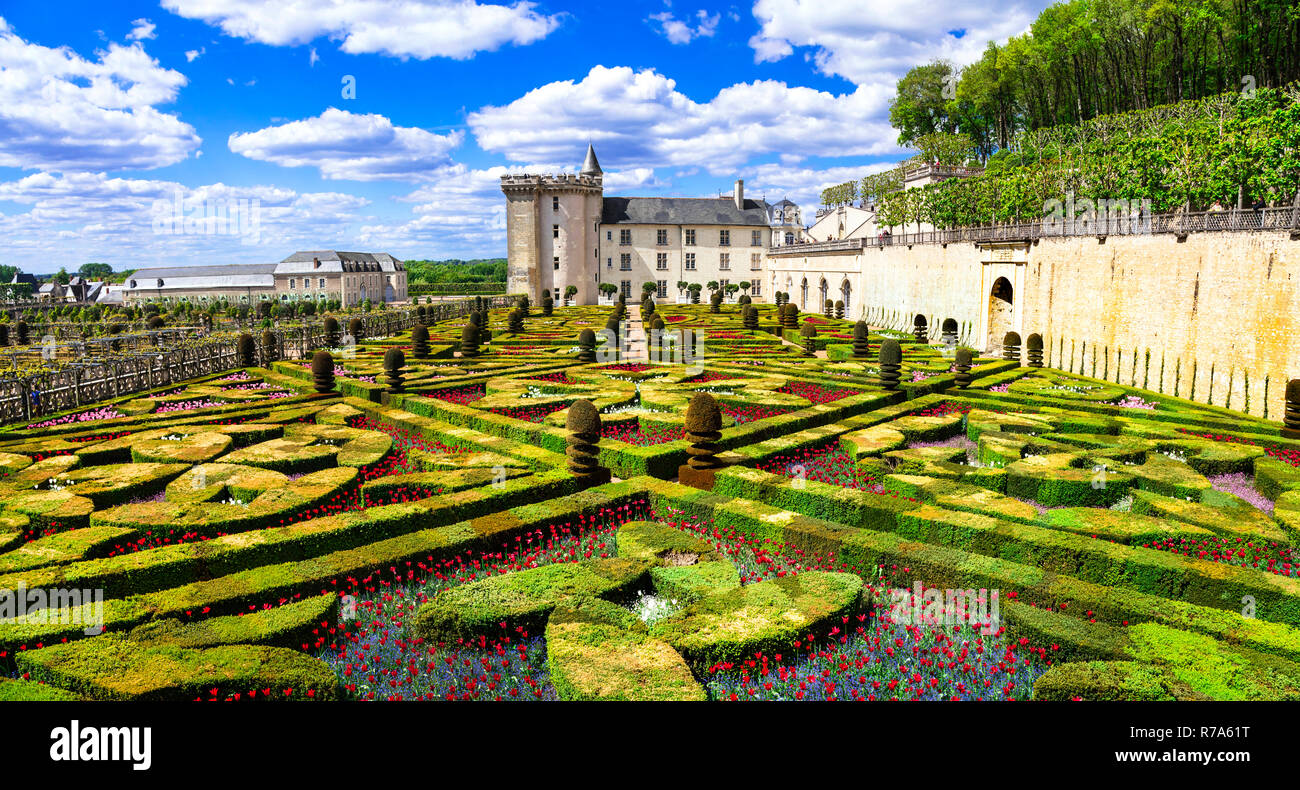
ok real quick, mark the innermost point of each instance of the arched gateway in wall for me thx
(1001, 312)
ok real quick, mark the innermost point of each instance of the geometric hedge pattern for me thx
(253, 539)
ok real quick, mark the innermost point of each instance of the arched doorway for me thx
(1001, 313)
(825, 291)
(845, 292)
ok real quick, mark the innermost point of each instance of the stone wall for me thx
(1209, 318)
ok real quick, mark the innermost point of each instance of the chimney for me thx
(315, 263)
(740, 194)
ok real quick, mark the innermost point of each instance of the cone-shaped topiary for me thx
(269, 346)
(839, 308)
(469, 341)
(524, 305)
(963, 362)
(612, 334)
(420, 313)
(420, 341)
(790, 317)
(1011, 347)
(648, 309)
(331, 331)
(247, 351)
(861, 345)
(322, 372)
(583, 451)
(891, 359)
(356, 329)
(715, 302)
(751, 318)
(1034, 350)
(949, 331)
(828, 309)
(586, 346)
(515, 321)
(548, 303)
(809, 334)
(921, 329)
(20, 330)
(394, 361)
(481, 320)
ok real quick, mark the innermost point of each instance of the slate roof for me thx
(683, 211)
(233, 275)
(332, 261)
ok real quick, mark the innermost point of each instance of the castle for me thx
(563, 233)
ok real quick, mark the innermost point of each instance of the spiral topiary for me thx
(394, 361)
(586, 346)
(948, 331)
(469, 341)
(828, 309)
(269, 346)
(963, 362)
(247, 351)
(703, 430)
(861, 343)
(331, 331)
(809, 334)
(583, 451)
(891, 360)
(715, 302)
(790, 316)
(524, 305)
(921, 329)
(1034, 350)
(548, 303)
(1291, 416)
(322, 372)
(750, 318)
(1011, 347)
(515, 321)
(484, 330)
(420, 341)
(839, 308)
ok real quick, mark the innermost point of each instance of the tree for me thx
(731, 289)
(62, 276)
(920, 106)
(609, 289)
(745, 285)
(713, 285)
(95, 271)
(569, 292)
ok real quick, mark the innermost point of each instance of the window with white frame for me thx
(690, 237)
(756, 288)
(724, 238)
(724, 261)
(690, 261)
(755, 238)
(661, 237)
(755, 261)
(662, 293)
(626, 288)
(661, 261)
(625, 262)
(624, 237)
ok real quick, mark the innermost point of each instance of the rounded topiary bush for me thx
(269, 346)
(1011, 347)
(469, 341)
(861, 344)
(394, 361)
(331, 331)
(247, 351)
(963, 363)
(583, 451)
(20, 331)
(920, 329)
(703, 430)
(1034, 350)
(839, 309)
(322, 372)
(586, 346)
(891, 359)
(356, 329)
(809, 334)
(420, 341)
(156, 322)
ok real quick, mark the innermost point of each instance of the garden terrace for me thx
(225, 516)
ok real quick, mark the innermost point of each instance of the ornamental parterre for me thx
(458, 530)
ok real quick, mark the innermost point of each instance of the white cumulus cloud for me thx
(403, 28)
(679, 31)
(345, 145)
(141, 30)
(60, 111)
(639, 119)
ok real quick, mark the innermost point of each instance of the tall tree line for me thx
(1086, 58)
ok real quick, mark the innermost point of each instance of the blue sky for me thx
(110, 111)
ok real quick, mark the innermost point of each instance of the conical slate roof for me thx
(591, 167)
